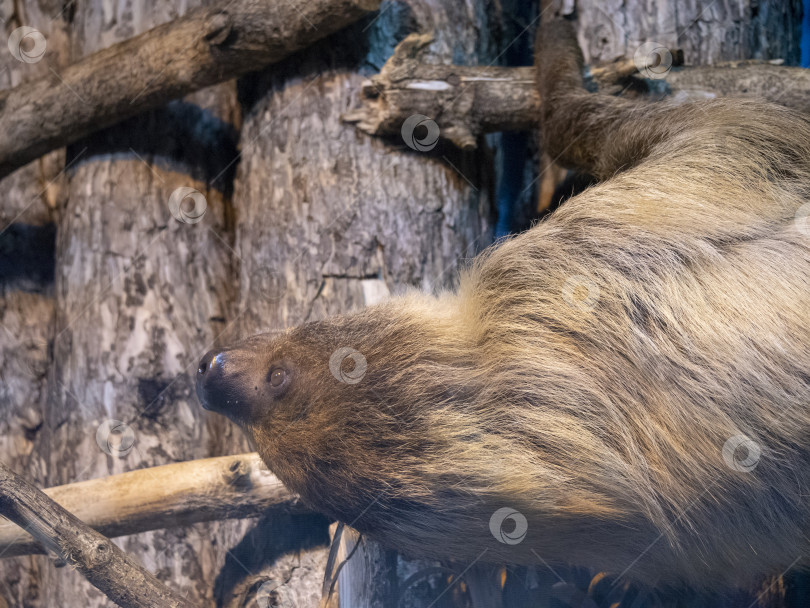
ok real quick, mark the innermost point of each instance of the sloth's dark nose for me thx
(206, 362)
(211, 383)
(224, 382)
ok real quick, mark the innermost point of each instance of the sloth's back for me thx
(663, 316)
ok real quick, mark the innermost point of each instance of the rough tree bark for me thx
(29, 197)
(140, 296)
(708, 31)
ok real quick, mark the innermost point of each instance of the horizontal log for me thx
(207, 46)
(171, 495)
(102, 563)
(468, 101)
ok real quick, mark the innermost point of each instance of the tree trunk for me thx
(708, 31)
(29, 198)
(330, 220)
(139, 297)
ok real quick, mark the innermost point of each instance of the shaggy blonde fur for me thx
(589, 372)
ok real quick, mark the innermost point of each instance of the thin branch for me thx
(107, 567)
(172, 495)
(209, 45)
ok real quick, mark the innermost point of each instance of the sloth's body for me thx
(589, 372)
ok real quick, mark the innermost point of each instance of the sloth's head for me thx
(302, 397)
(338, 397)
(378, 357)
(265, 379)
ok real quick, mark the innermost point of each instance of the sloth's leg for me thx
(729, 167)
(596, 133)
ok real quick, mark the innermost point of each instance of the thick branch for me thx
(209, 45)
(161, 497)
(468, 101)
(106, 566)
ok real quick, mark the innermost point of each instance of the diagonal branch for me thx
(209, 45)
(107, 567)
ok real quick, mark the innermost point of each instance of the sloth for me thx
(624, 386)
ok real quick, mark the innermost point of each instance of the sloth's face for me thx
(349, 410)
(260, 379)
(314, 414)
(290, 392)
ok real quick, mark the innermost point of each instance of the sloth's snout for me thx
(234, 381)
(210, 379)
(219, 380)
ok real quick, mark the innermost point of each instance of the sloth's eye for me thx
(277, 377)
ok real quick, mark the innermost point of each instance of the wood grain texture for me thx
(208, 45)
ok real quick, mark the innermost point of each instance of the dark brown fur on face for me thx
(594, 374)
